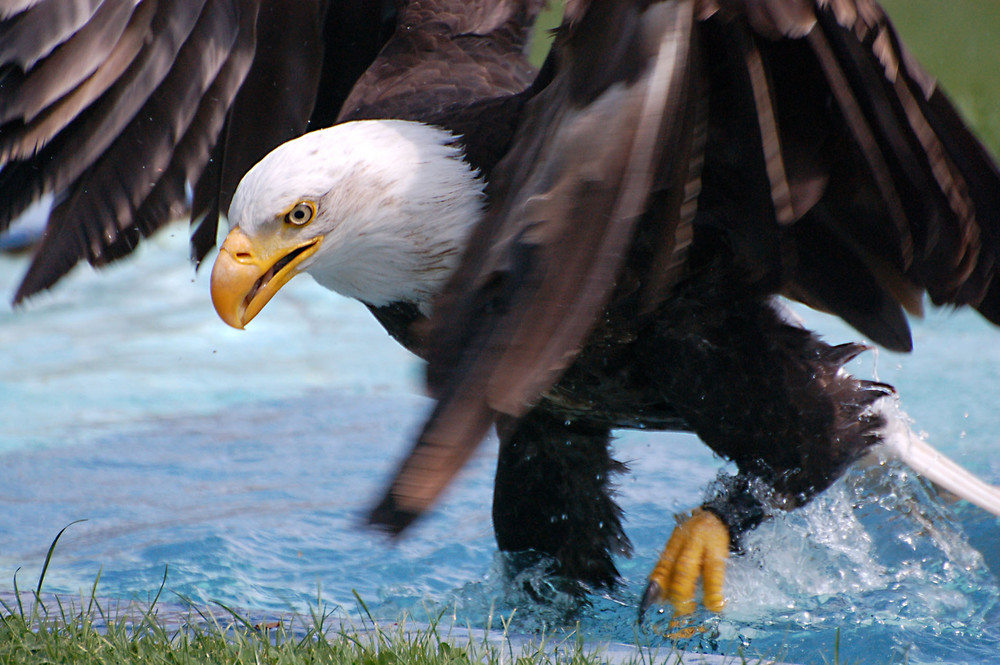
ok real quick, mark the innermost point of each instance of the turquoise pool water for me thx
(243, 463)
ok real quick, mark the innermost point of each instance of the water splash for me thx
(879, 562)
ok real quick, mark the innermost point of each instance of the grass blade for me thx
(48, 558)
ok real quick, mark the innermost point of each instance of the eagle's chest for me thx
(613, 382)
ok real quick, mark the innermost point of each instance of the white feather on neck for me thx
(396, 202)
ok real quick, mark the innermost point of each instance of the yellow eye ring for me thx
(301, 214)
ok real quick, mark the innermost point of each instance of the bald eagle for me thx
(592, 246)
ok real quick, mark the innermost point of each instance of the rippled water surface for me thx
(242, 464)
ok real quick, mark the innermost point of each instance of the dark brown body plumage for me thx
(673, 167)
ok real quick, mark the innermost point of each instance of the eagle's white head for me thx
(378, 210)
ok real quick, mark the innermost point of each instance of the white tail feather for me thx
(901, 442)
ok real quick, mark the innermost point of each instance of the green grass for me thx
(93, 635)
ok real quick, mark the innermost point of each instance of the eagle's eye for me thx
(301, 214)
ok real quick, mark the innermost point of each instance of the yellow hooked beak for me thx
(247, 275)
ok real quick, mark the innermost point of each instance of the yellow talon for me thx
(698, 548)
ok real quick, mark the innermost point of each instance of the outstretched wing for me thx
(800, 136)
(884, 191)
(117, 107)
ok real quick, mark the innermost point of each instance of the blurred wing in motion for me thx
(617, 118)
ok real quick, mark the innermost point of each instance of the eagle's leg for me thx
(771, 397)
(553, 495)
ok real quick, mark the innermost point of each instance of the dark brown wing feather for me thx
(103, 136)
(827, 162)
(161, 137)
(78, 57)
(117, 107)
(32, 35)
(890, 194)
(458, 65)
(447, 52)
(908, 202)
